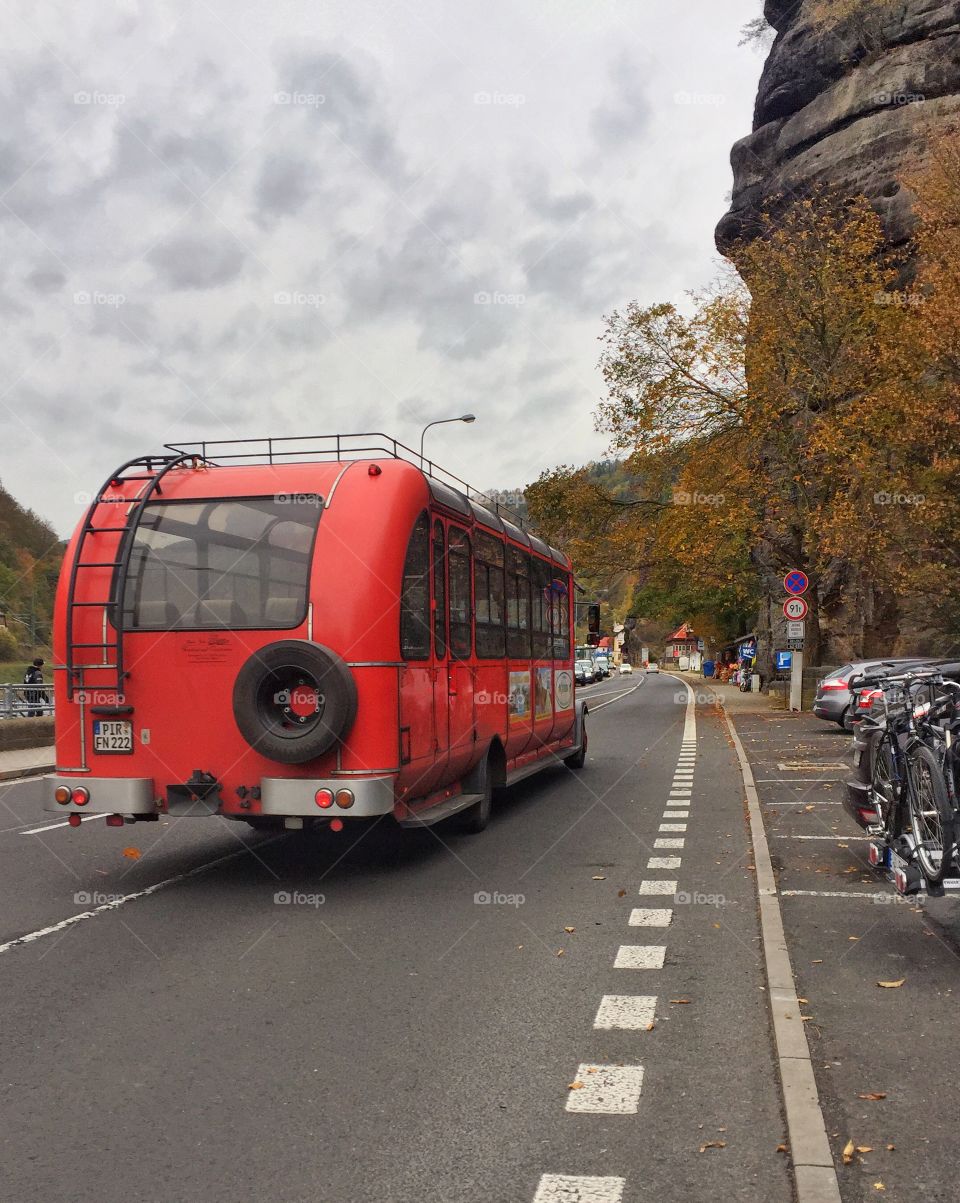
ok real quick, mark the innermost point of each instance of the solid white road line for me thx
(658, 887)
(566, 1188)
(607, 1089)
(673, 827)
(663, 862)
(52, 826)
(670, 843)
(640, 956)
(643, 916)
(875, 895)
(838, 838)
(626, 1012)
(125, 898)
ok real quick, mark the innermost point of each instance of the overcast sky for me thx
(223, 219)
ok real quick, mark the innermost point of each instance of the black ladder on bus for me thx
(110, 673)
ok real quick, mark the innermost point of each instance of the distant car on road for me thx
(584, 673)
(653, 667)
(835, 702)
(626, 669)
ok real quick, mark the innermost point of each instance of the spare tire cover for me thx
(293, 700)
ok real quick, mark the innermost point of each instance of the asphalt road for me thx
(337, 1019)
(847, 931)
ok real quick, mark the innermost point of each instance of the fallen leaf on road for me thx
(816, 962)
(807, 1018)
(809, 808)
(879, 1186)
(716, 925)
(575, 1086)
(891, 985)
(621, 893)
(803, 1001)
(560, 952)
(853, 937)
(651, 1026)
(132, 853)
(890, 1148)
(873, 1095)
(713, 1144)
(599, 877)
(679, 1002)
(569, 929)
(864, 1148)
(781, 1148)
(848, 1150)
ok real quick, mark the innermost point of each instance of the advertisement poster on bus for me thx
(519, 706)
(563, 689)
(543, 699)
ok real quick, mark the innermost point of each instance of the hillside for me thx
(30, 556)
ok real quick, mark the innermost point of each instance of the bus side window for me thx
(489, 589)
(458, 594)
(561, 615)
(439, 591)
(415, 594)
(518, 604)
(542, 639)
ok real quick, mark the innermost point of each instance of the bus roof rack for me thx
(335, 448)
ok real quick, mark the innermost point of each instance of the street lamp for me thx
(441, 422)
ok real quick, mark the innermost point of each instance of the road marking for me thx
(844, 838)
(670, 843)
(124, 898)
(874, 894)
(676, 814)
(797, 801)
(800, 780)
(658, 887)
(51, 826)
(642, 916)
(628, 1012)
(565, 1188)
(663, 862)
(640, 956)
(615, 698)
(798, 766)
(607, 1089)
(673, 827)
(683, 773)
(681, 790)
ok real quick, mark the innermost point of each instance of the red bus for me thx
(287, 631)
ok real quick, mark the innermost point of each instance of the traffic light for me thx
(593, 618)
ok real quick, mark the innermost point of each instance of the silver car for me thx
(834, 700)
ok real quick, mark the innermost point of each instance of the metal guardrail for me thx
(25, 701)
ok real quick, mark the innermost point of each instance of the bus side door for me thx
(460, 700)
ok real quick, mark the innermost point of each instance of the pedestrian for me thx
(35, 698)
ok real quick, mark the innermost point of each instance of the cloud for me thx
(197, 260)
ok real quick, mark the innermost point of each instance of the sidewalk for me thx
(27, 762)
(728, 696)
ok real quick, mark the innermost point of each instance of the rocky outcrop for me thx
(850, 109)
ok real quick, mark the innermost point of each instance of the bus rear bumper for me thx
(296, 796)
(107, 795)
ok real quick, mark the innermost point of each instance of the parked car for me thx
(835, 702)
(653, 667)
(583, 672)
(626, 668)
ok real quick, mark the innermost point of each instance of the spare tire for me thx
(293, 700)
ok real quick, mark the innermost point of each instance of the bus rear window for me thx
(221, 564)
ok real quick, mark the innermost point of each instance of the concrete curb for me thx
(35, 770)
(815, 1174)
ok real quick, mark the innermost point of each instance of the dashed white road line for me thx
(658, 887)
(66, 823)
(676, 814)
(673, 827)
(669, 843)
(565, 1188)
(640, 956)
(607, 1090)
(125, 898)
(663, 862)
(626, 1012)
(650, 917)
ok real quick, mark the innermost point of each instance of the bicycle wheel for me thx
(931, 816)
(883, 787)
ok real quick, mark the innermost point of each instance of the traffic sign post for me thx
(795, 608)
(796, 582)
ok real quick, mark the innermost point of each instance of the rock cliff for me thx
(850, 108)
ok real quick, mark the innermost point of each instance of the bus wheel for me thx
(294, 700)
(476, 817)
(578, 759)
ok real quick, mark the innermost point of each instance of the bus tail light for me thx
(74, 819)
(345, 798)
(62, 794)
(336, 824)
(114, 820)
(324, 798)
(80, 796)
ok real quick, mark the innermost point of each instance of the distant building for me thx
(684, 649)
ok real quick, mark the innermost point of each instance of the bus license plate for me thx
(114, 736)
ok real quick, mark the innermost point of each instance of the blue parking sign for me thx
(784, 661)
